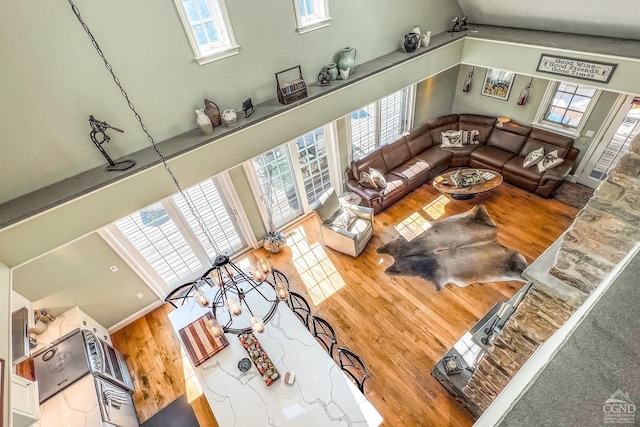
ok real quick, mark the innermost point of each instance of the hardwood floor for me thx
(400, 326)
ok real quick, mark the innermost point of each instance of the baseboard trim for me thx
(135, 316)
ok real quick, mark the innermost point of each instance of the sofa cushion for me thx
(464, 151)
(419, 140)
(396, 153)
(506, 141)
(515, 167)
(442, 124)
(483, 124)
(371, 160)
(549, 141)
(377, 179)
(435, 156)
(395, 184)
(492, 156)
(412, 170)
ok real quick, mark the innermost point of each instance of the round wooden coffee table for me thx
(444, 184)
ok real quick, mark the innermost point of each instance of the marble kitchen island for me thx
(320, 396)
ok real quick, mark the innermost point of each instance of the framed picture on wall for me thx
(497, 83)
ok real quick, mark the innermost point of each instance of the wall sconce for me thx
(466, 86)
(502, 121)
(524, 93)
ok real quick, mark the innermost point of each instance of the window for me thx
(208, 29)
(314, 164)
(165, 242)
(566, 107)
(381, 122)
(311, 14)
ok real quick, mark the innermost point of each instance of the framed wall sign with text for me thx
(587, 70)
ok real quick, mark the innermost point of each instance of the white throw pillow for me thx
(549, 161)
(468, 137)
(378, 179)
(451, 138)
(533, 158)
(344, 219)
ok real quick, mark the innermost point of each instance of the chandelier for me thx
(242, 302)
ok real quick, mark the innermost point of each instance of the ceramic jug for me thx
(347, 58)
(230, 117)
(204, 123)
(344, 74)
(333, 70)
(416, 30)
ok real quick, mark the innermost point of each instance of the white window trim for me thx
(411, 102)
(123, 247)
(230, 47)
(228, 190)
(540, 123)
(316, 24)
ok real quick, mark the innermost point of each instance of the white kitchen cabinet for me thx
(66, 322)
(24, 401)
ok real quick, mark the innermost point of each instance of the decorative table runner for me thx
(259, 357)
(199, 342)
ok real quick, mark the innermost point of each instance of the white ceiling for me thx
(619, 18)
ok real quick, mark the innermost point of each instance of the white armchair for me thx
(345, 228)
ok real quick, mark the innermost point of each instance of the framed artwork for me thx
(497, 83)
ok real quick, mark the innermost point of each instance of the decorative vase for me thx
(411, 42)
(426, 39)
(213, 112)
(230, 117)
(347, 58)
(274, 242)
(204, 122)
(344, 74)
(332, 68)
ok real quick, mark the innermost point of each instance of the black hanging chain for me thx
(184, 195)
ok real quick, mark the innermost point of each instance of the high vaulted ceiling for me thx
(620, 18)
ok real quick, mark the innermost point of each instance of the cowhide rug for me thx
(461, 249)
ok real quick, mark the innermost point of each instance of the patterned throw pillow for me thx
(451, 138)
(365, 180)
(549, 161)
(468, 137)
(533, 157)
(378, 179)
(344, 219)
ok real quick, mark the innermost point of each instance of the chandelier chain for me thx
(184, 194)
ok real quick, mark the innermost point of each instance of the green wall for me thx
(5, 333)
(475, 102)
(435, 96)
(78, 274)
(53, 80)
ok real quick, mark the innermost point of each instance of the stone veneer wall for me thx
(604, 231)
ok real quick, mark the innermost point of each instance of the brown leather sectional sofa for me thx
(417, 158)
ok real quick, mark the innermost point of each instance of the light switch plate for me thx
(589, 134)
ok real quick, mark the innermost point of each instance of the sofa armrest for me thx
(365, 192)
(558, 173)
(363, 212)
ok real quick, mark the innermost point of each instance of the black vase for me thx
(411, 42)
